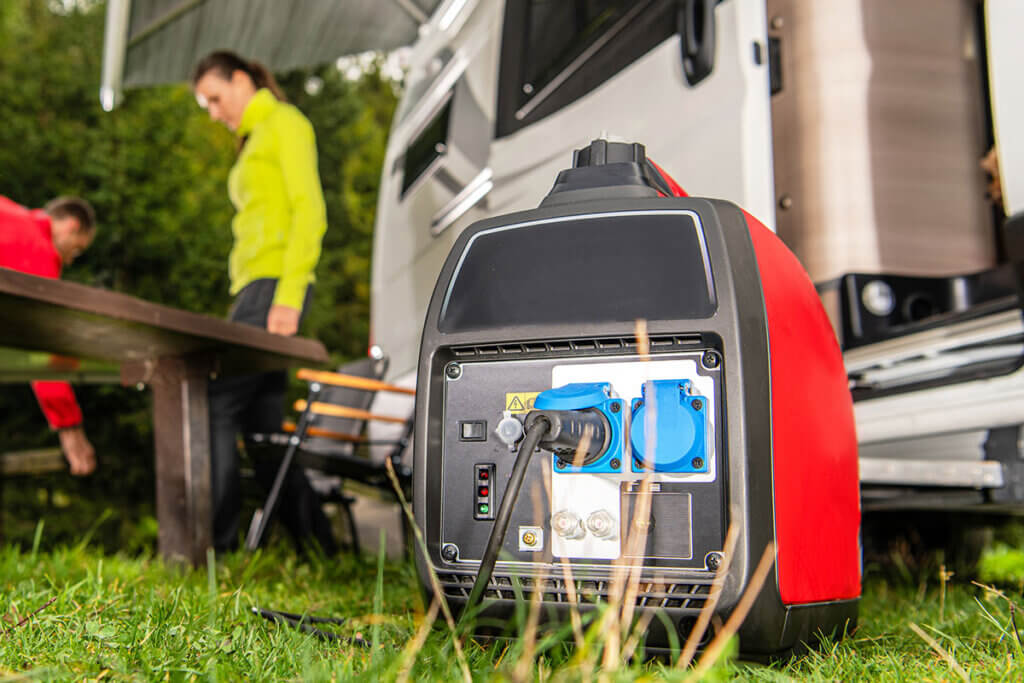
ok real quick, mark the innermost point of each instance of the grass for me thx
(74, 613)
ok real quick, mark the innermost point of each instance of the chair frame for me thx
(359, 468)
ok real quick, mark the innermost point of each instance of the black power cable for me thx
(534, 433)
(303, 623)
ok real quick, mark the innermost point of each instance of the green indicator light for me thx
(484, 508)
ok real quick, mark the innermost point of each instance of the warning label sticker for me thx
(520, 401)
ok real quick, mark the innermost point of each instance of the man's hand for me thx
(283, 320)
(79, 452)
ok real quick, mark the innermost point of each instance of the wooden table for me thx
(172, 351)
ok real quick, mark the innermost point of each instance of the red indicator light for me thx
(484, 474)
(484, 490)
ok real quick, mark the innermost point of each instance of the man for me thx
(40, 242)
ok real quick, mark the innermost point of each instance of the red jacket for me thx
(27, 246)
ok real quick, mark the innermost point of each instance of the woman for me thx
(279, 223)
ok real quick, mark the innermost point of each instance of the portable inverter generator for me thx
(547, 424)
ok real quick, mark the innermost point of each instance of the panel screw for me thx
(530, 539)
(453, 371)
(615, 463)
(713, 560)
(710, 359)
(697, 404)
(778, 22)
(450, 552)
(615, 407)
(697, 463)
(785, 202)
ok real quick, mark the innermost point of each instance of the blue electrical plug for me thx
(576, 407)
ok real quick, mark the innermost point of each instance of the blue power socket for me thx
(679, 417)
(580, 396)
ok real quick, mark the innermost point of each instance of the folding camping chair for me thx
(328, 437)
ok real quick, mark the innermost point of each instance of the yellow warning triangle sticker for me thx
(520, 401)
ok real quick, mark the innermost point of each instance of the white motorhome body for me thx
(461, 149)
(500, 93)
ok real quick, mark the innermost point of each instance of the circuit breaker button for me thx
(473, 430)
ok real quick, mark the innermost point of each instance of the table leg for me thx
(181, 428)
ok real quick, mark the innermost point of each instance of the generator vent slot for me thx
(687, 596)
(561, 347)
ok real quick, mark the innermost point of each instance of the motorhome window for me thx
(556, 51)
(558, 31)
(418, 82)
(428, 146)
(657, 269)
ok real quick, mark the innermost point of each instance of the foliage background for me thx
(156, 170)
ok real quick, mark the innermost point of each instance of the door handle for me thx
(696, 23)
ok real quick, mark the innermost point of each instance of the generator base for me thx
(803, 627)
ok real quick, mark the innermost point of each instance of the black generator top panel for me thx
(589, 270)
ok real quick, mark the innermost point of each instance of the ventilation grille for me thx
(573, 346)
(689, 596)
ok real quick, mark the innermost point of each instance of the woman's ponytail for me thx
(262, 78)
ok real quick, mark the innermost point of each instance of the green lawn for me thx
(75, 613)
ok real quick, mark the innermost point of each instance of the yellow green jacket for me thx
(275, 188)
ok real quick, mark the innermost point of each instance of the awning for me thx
(149, 42)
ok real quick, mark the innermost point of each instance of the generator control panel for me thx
(638, 423)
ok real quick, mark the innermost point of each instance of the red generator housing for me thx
(738, 415)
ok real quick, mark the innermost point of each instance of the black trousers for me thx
(255, 404)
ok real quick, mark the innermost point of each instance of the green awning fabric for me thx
(165, 38)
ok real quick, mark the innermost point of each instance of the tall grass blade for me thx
(211, 589)
(738, 614)
(704, 618)
(416, 644)
(434, 582)
(378, 595)
(941, 651)
(82, 544)
(36, 539)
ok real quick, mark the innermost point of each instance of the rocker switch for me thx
(473, 430)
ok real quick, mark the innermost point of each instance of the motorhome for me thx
(854, 128)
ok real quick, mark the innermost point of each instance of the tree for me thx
(156, 171)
